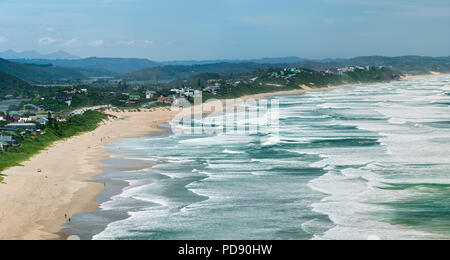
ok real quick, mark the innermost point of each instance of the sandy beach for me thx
(34, 204)
(432, 74)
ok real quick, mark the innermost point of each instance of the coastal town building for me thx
(133, 99)
(25, 119)
(166, 100)
(6, 141)
(213, 89)
(19, 126)
(42, 121)
(150, 104)
(149, 94)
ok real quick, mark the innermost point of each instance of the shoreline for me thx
(34, 204)
(65, 186)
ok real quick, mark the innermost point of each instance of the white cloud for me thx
(148, 42)
(70, 42)
(96, 43)
(46, 41)
(3, 39)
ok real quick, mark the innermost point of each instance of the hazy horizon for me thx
(226, 29)
(186, 60)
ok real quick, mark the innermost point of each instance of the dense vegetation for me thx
(10, 85)
(185, 72)
(309, 78)
(414, 65)
(103, 66)
(45, 71)
(54, 131)
(406, 64)
(37, 74)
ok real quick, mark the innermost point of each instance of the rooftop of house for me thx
(6, 138)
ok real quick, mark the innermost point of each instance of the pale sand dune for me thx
(33, 204)
(432, 74)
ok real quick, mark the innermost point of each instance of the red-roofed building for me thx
(166, 100)
(335, 72)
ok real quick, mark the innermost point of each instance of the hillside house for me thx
(149, 94)
(166, 100)
(19, 126)
(7, 140)
(42, 121)
(25, 119)
(133, 99)
(150, 104)
(63, 97)
(212, 89)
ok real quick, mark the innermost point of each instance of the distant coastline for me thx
(63, 187)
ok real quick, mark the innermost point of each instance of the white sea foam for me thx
(232, 152)
(272, 140)
(352, 193)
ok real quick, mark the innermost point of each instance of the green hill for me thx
(10, 85)
(184, 72)
(98, 66)
(414, 65)
(37, 74)
(406, 64)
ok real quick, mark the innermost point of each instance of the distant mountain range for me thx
(259, 61)
(280, 60)
(57, 68)
(97, 66)
(56, 57)
(407, 64)
(115, 66)
(59, 55)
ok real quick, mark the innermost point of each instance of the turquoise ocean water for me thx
(369, 162)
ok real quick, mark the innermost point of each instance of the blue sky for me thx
(233, 29)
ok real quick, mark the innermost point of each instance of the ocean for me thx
(366, 162)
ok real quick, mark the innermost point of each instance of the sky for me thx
(164, 30)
